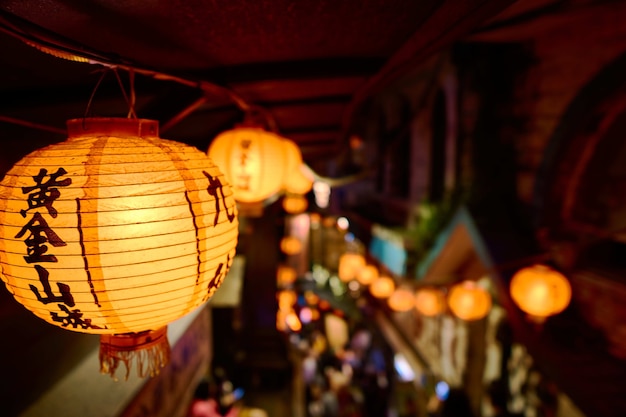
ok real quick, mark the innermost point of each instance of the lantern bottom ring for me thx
(148, 350)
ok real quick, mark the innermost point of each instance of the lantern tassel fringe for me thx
(149, 354)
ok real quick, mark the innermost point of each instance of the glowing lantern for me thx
(294, 204)
(469, 301)
(254, 160)
(367, 274)
(349, 265)
(297, 182)
(430, 301)
(286, 299)
(540, 290)
(285, 275)
(402, 299)
(293, 322)
(290, 245)
(116, 232)
(382, 287)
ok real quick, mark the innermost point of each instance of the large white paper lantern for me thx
(118, 232)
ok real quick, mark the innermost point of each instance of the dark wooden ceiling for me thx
(309, 64)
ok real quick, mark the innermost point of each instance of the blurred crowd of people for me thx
(346, 381)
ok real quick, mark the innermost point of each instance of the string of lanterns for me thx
(537, 290)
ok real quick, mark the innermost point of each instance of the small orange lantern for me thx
(540, 290)
(382, 287)
(294, 203)
(286, 299)
(116, 232)
(285, 275)
(469, 301)
(290, 245)
(293, 322)
(349, 265)
(254, 160)
(402, 299)
(430, 301)
(367, 274)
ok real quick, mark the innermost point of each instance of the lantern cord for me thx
(93, 93)
(129, 101)
(53, 44)
(133, 96)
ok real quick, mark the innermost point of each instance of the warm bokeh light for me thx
(343, 223)
(115, 231)
(293, 322)
(321, 191)
(402, 299)
(367, 274)
(290, 245)
(430, 301)
(295, 204)
(469, 301)
(285, 275)
(349, 266)
(311, 298)
(382, 287)
(286, 299)
(540, 290)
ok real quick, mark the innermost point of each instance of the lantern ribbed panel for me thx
(148, 233)
(254, 160)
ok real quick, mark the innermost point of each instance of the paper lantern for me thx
(349, 265)
(290, 245)
(540, 290)
(116, 232)
(430, 301)
(401, 299)
(297, 182)
(294, 204)
(286, 299)
(469, 301)
(382, 287)
(367, 274)
(285, 275)
(254, 160)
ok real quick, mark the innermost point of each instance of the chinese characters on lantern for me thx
(38, 235)
(215, 187)
(243, 176)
